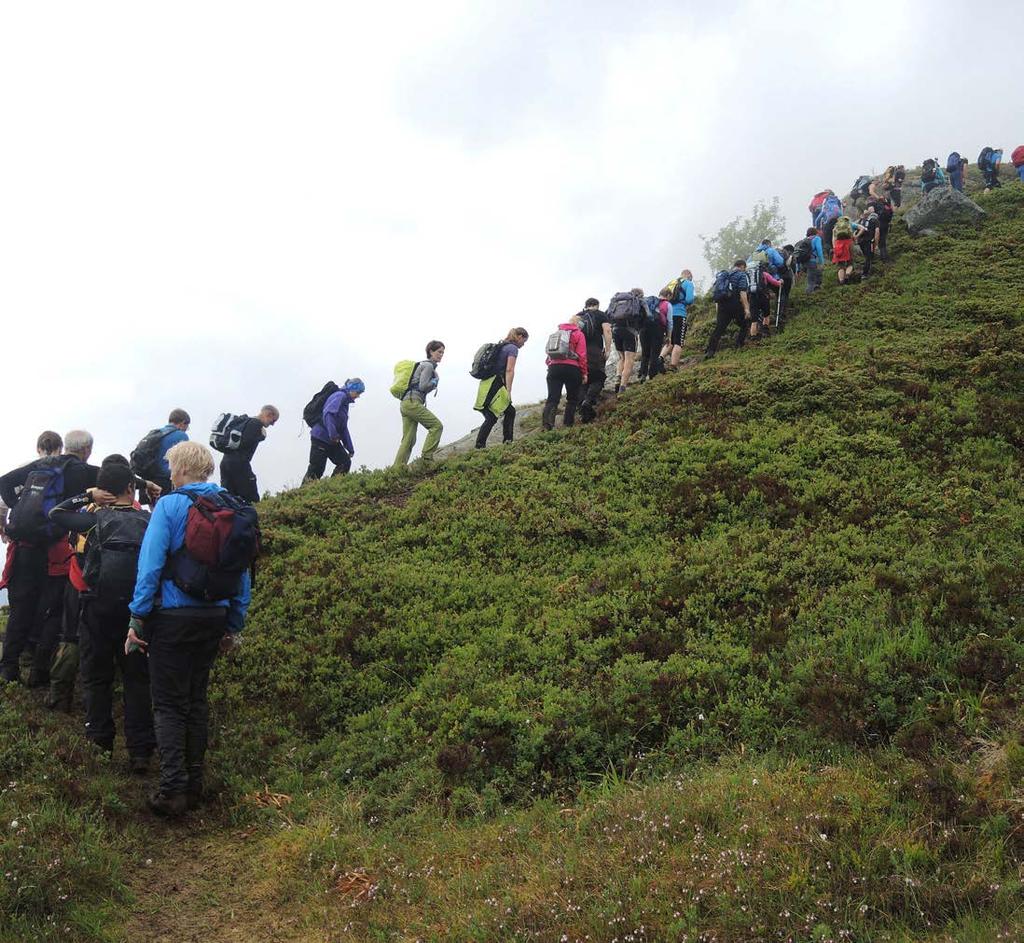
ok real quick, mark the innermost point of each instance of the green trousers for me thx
(414, 414)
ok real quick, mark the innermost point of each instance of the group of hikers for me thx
(98, 583)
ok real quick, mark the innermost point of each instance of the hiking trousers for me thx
(237, 476)
(727, 314)
(415, 414)
(33, 597)
(650, 359)
(813, 275)
(508, 417)
(183, 644)
(319, 452)
(64, 669)
(883, 239)
(596, 378)
(101, 648)
(868, 251)
(570, 377)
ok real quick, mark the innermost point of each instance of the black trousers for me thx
(991, 176)
(728, 313)
(320, 452)
(182, 647)
(596, 378)
(826, 236)
(883, 238)
(570, 377)
(652, 339)
(101, 647)
(508, 418)
(868, 251)
(237, 476)
(787, 287)
(34, 601)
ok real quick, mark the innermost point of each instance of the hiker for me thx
(760, 281)
(422, 380)
(37, 555)
(64, 668)
(593, 322)
(892, 183)
(730, 296)
(239, 437)
(861, 190)
(956, 168)
(652, 337)
(809, 254)
(494, 396)
(817, 201)
(682, 296)
(931, 175)
(626, 314)
(842, 248)
(786, 275)
(988, 163)
(149, 457)
(566, 351)
(329, 438)
(883, 207)
(769, 256)
(183, 635)
(868, 238)
(831, 210)
(114, 530)
(1017, 159)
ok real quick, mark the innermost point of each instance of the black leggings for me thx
(727, 314)
(508, 418)
(650, 358)
(562, 375)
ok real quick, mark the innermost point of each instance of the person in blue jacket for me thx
(182, 635)
(776, 262)
(330, 438)
(817, 262)
(684, 297)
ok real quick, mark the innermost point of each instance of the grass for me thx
(740, 662)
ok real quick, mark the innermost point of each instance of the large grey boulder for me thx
(941, 205)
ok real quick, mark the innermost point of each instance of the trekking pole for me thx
(778, 309)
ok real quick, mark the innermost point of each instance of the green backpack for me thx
(844, 229)
(403, 378)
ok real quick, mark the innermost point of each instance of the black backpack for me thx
(485, 361)
(313, 411)
(144, 456)
(589, 327)
(226, 434)
(985, 158)
(802, 252)
(929, 170)
(861, 186)
(625, 309)
(43, 490)
(111, 559)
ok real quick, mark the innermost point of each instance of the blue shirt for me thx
(165, 535)
(172, 436)
(817, 252)
(686, 296)
(775, 260)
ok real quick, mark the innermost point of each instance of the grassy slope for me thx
(792, 574)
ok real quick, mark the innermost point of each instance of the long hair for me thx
(518, 334)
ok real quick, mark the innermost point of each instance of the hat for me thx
(355, 385)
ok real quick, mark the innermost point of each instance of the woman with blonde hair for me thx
(494, 397)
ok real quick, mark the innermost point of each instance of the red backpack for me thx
(1017, 157)
(817, 201)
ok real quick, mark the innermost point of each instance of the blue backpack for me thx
(651, 303)
(831, 209)
(953, 163)
(724, 288)
(42, 492)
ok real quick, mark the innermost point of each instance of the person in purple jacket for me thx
(330, 438)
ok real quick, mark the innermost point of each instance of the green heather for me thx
(739, 662)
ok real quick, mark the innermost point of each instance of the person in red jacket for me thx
(567, 367)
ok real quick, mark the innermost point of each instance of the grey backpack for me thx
(559, 346)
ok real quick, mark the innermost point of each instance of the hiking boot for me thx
(169, 806)
(138, 765)
(193, 797)
(58, 700)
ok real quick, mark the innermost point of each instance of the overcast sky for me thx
(215, 205)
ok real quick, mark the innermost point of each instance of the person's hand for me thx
(352, 454)
(135, 642)
(229, 643)
(100, 497)
(153, 491)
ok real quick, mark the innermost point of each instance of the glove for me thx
(137, 625)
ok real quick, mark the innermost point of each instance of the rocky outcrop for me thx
(942, 205)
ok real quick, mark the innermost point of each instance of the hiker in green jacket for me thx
(414, 410)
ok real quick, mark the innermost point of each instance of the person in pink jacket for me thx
(567, 367)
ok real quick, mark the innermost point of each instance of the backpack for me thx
(883, 207)
(844, 228)
(111, 559)
(625, 309)
(404, 370)
(831, 209)
(559, 346)
(226, 434)
(985, 158)
(868, 227)
(754, 269)
(222, 541)
(861, 186)
(313, 411)
(651, 315)
(43, 490)
(724, 288)
(817, 201)
(954, 163)
(1017, 157)
(929, 170)
(144, 456)
(485, 361)
(675, 289)
(802, 252)
(589, 327)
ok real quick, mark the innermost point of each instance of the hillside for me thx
(739, 662)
